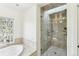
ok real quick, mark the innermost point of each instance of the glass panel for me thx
(54, 33)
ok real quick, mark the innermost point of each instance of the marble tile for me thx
(54, 51)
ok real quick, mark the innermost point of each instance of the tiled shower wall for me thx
(47, 30)
(59, 29)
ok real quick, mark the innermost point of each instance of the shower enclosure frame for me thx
(71, 27)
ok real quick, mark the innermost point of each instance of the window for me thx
(6, 30)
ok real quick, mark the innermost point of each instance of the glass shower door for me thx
(45, 34)
(54, 29)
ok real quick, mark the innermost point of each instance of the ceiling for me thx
(17, 6)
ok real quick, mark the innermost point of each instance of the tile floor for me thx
(54, 51)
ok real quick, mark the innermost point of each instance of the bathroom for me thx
(38, 29)
(23, 38)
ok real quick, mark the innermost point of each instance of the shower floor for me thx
(55, 51)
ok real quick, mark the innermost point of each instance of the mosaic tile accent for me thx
(6, 30)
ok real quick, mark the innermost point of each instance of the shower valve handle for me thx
(78, 46)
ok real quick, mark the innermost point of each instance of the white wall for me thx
(78, 25)
(78, 31)
(7, 12)
(30, 24)
(25, 23)
(72, 29)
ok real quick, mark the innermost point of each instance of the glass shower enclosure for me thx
(54, 29)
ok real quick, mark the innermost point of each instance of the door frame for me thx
(71, 29)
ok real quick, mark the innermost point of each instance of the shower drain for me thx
(55, 53)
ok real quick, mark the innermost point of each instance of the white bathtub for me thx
(12, 50)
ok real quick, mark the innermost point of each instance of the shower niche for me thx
(6, 30)
(54, 30)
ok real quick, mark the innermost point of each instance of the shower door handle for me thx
(78, 46)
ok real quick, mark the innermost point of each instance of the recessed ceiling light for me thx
(17, 5)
